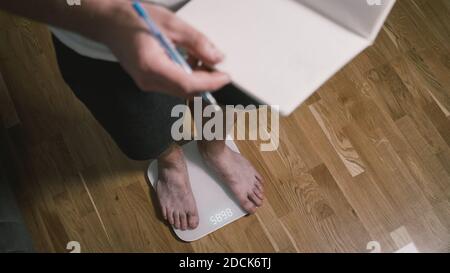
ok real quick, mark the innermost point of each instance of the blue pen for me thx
(171, 51)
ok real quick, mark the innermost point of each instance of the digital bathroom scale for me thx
(215, 203)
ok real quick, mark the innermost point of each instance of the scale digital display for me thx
(221, 216)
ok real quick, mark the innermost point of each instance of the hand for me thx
(127, 36)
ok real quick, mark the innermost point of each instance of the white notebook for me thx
(281, 51)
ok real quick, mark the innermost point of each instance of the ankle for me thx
(172, 156)
(211, 148)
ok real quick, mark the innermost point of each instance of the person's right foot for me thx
(174, 190)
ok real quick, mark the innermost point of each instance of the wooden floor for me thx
(367, 158)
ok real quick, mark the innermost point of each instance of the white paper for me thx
(281, 51)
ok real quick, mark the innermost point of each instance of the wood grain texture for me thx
(366, 158)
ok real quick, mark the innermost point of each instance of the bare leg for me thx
(174, 190)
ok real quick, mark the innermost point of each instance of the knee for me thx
(140, 152)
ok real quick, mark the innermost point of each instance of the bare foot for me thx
(236, 171)
(174, 190)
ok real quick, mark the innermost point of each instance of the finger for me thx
(201, 81)
(161, 73)
(193, 62)
(195, 42)
(198, 81)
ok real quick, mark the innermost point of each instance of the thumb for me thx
(196, 43)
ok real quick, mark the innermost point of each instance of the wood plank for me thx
(366, 158)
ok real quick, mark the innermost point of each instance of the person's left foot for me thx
(236, 171)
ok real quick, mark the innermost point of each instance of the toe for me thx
(176, 218)
(255, 199)
(248, 206)
(259, 177)
(183, 221)
(193, 220)
(164, 213)
(170, 217)
(259, 186)
(258, 193)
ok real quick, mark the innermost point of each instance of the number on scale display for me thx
(221, 216)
